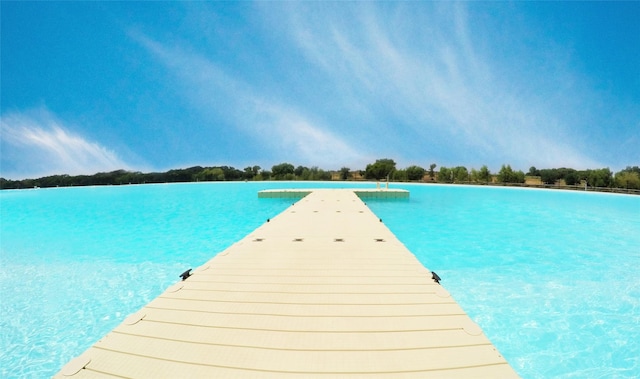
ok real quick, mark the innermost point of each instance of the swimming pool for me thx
(549, 275)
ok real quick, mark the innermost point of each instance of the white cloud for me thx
(435, 73)
(311, 143)
(37, 143)
(289, 132)
(411, 81)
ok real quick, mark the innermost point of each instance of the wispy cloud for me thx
(36, 143)
(344, 83)
(290, 132)
(439, 80)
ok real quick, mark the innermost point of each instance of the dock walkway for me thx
(322, 290)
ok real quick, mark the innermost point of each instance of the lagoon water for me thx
(551, 276)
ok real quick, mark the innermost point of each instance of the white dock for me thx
(322, 290)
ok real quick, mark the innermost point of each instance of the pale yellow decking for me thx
(323, 290)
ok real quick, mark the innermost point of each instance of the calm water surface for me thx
(550, 276)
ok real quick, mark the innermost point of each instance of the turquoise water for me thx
(550, 276)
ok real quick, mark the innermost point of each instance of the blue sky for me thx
(150, 86)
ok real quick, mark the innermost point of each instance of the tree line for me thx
(284, 171)
(381, 169)
(628, 178)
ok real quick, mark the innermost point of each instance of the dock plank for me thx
(303, 361)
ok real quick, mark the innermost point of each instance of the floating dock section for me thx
(379, 193)
(322, 290)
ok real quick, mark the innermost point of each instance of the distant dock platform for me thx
(364, 193)
(322, 290)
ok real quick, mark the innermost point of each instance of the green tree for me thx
(231, 173)
(344, 173)
(431, 170)
(507, 175)
(248, 173)
(600, 177)
(549, 176)
(380, 169)
(264, 175)
(460, 174)
(210, 174)
(473, 175)
(130, 177)
(299, 170)
(415, 173)
(400, 176)
(445, 175)
(571, 178)
(306, 174)
(635, 169)
(319, 174)
(7, 184)
(628, 179)
(280, 171)
(217, 173)
(484, 175)
(504, 175)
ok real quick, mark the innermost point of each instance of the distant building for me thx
(353, 175)
(533, 180)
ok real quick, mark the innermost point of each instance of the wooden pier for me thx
(322, 290)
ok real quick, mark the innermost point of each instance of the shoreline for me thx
(575, 188)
